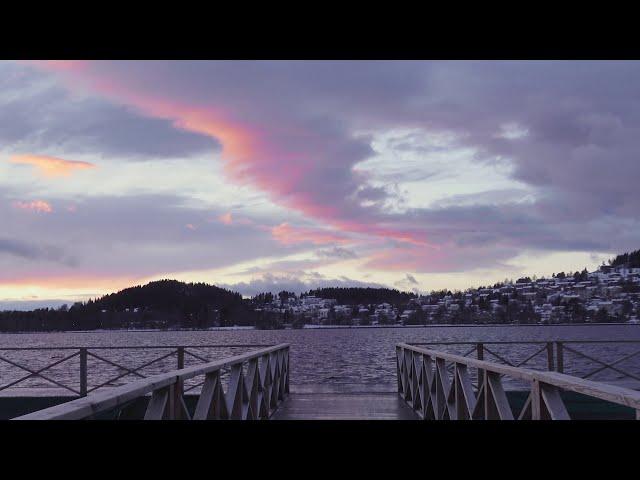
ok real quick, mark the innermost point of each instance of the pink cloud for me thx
(447, 258)
(288, 235)
(62, 65)
(190, 226)
(288, 161)
(38, 206)
(51, 166)
(226, 218)
(56, 280)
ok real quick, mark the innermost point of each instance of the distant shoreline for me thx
(326, 327)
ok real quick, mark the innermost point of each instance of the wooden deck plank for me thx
(344, 406)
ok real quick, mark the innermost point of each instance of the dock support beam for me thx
(550, 363)
(480, 352)
(83, 372)
(176, 399)
(560, 357)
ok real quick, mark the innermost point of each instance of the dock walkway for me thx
(344, 403)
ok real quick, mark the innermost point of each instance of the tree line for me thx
(358, 295)
(631, 260)
(161, 304)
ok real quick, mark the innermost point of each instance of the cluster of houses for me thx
(610, 294)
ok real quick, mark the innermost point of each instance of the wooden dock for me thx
(431, 385)
(344, 404)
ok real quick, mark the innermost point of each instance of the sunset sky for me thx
(270, 175)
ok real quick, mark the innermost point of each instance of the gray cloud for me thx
(408, 283)
(124, 236)
(25, 305)
(36, 117)
(337, 253)
(293, 282)
(30, 251)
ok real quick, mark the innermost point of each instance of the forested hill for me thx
(162, 304)
(359, 295)
(169, 295)
(631, 260)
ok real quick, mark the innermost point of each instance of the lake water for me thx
(363, 357)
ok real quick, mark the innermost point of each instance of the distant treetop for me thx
(168, 295)
(631, 260)
(357, 295)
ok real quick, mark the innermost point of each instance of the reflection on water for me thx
(362, 356)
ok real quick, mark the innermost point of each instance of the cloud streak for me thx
(296, 283)
(36, 206)
(52, 166)
(30, 251)
(289, 235)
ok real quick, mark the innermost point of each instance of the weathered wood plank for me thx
(553, 403)
(204, 407)
(466, 391)
(349, 406)
(157, 405)
(499, 397)
(535, 396)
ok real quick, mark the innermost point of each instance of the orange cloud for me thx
(51, 166)
(288, 235)
(38, 206)
(227, 218)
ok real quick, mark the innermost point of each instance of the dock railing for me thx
(91, 363)
(257, 383)
(554, 355)
(440, 386)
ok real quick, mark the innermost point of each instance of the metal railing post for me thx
(550, 363)
(83, 372)
(559, 357)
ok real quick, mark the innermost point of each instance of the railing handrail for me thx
(611, 393)
(261, 345)
(100, 402)
(138, 347)
(507, 342)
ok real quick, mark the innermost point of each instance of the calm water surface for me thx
(358, 356)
